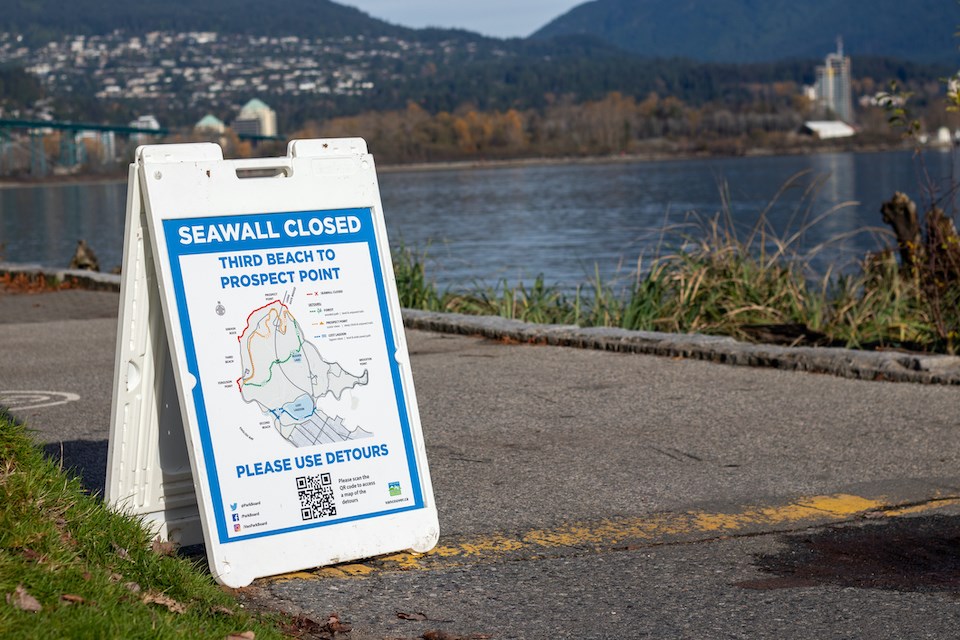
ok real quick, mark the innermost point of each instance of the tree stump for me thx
(901, 213)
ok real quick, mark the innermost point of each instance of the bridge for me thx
(71, 153)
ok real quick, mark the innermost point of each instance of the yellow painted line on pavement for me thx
(627, 533)
(914, 509)
(836, 506)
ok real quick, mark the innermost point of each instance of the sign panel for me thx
(301, 411)
(288, 353)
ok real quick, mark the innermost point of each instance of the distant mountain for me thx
(705, 30)
(767, 30)
(46, 19)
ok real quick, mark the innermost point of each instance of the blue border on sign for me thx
(264, 229)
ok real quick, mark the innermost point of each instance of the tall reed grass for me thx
(717, 279)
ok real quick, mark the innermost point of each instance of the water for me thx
(566, 222)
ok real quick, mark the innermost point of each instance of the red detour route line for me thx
(16, 400)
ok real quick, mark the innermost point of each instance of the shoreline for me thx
(637, 158)
(62, 181)
(480, 163)
(890, 365)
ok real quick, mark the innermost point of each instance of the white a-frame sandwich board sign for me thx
(263, 291)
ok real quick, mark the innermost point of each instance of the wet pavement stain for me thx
(903, 554)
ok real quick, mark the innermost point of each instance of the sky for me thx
(498, 18)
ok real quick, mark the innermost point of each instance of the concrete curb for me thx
(891, 366)
(847, 363)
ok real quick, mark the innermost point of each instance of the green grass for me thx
(95, 573)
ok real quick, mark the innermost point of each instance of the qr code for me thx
(316, 496)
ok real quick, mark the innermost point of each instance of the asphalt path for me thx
(586, 494)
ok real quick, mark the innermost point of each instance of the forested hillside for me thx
(49, 19)
(444, 94)
(763, 30)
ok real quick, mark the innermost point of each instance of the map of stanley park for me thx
(285, 376)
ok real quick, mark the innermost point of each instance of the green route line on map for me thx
(299, 349)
